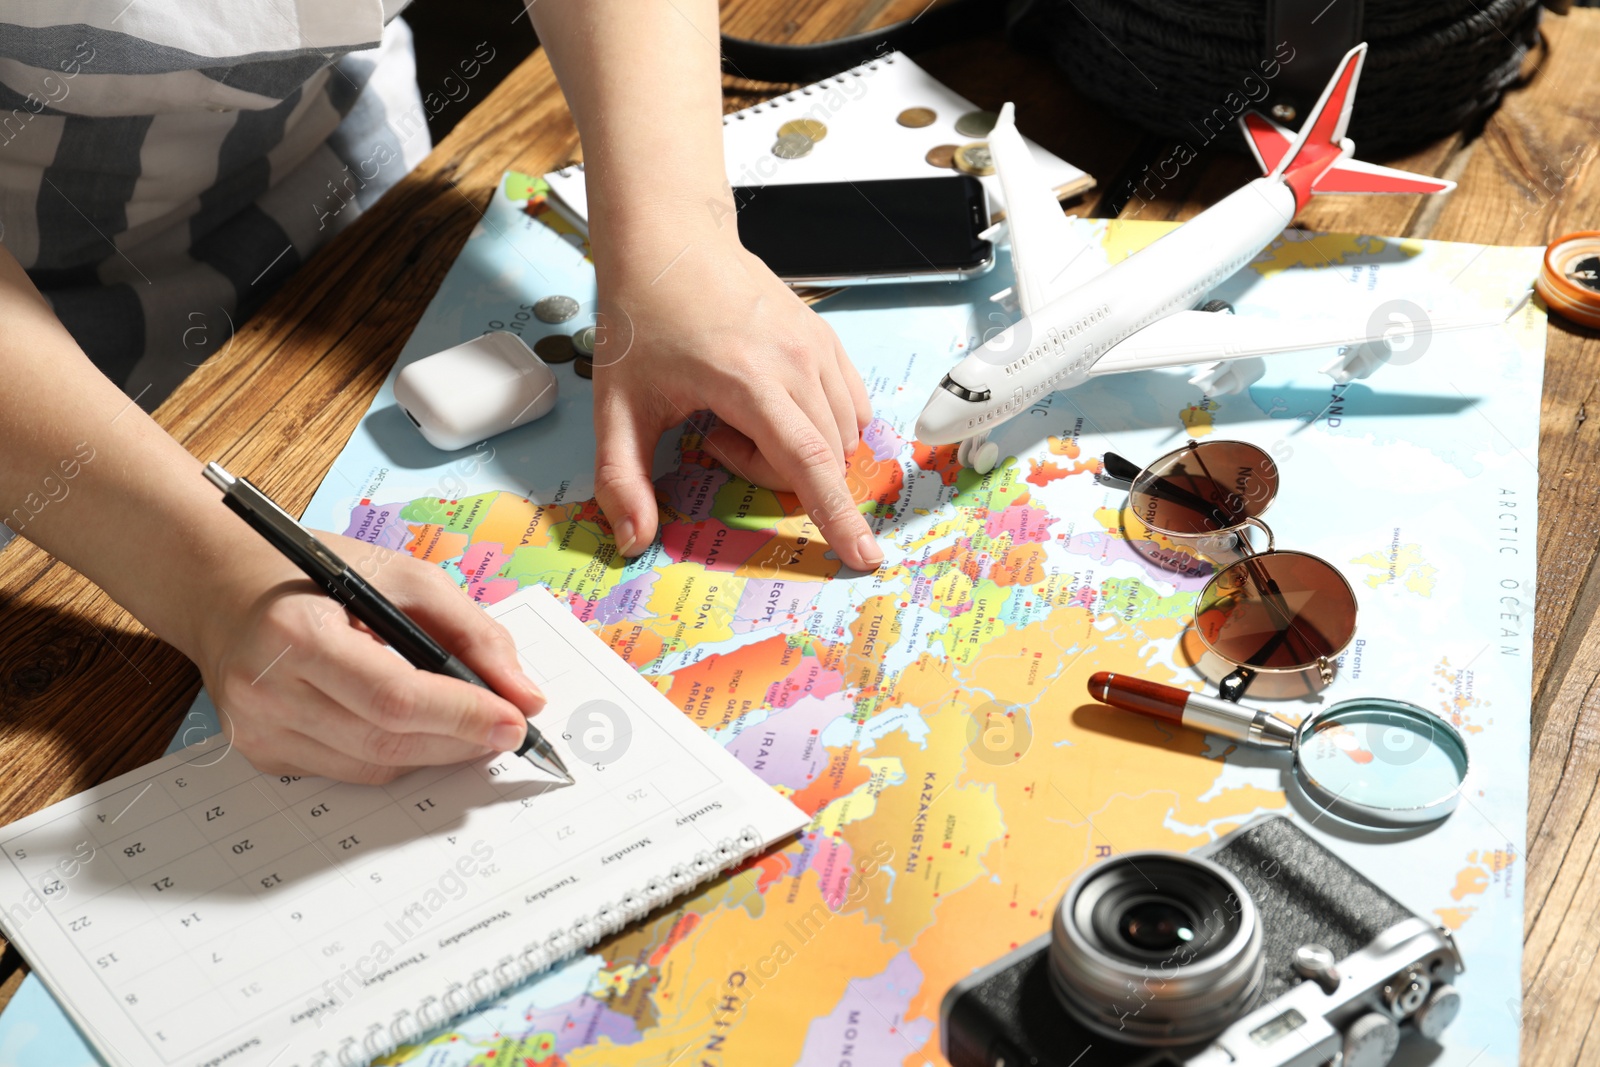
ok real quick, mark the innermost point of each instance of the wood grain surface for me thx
(87, 693)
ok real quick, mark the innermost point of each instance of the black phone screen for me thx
(845, 229)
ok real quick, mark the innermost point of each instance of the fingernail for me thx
(529, 689)
(871, 554)
(507, 737)
(626, 536)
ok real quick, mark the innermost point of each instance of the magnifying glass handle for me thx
(1194, 710)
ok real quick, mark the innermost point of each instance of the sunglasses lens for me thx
(1212, 486)
(1279, 611)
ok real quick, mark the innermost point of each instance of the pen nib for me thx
(539, 752)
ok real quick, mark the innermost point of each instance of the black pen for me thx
(330, 572)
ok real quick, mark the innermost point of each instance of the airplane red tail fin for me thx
(1317, 159)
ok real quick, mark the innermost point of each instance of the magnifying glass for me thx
(1379, 763)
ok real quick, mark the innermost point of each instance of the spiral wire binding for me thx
(459, 999)
(777, 102)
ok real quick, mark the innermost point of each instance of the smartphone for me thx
(856, 233)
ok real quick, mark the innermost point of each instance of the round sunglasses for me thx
(1277, 610)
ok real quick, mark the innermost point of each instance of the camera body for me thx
(1262, 949)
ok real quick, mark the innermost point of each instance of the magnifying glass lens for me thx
(1382, 762)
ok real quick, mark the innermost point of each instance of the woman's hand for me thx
(714, 329)
(689, 320)
(305, 689)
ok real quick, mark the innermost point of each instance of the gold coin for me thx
(584, 367)
(942, 156)
(805, 127)
(974, 158)
(916, 117)
(557, 348)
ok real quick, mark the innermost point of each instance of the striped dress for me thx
(166, 164)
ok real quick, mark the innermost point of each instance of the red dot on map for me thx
(365, 501)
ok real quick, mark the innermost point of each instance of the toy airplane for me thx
(1082, 319)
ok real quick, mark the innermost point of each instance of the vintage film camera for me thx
(1261, 949)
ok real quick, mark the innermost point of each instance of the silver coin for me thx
(555, 309)
(974, 158)
(583, 341)
(976, 123)
(792, 146)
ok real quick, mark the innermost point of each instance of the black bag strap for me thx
(934, 26)
(1316, 34)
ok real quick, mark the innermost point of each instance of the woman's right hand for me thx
(304, 688)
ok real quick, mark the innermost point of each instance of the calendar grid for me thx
(210, 900)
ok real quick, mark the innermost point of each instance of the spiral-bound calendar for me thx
(196, 913)
(864, 141)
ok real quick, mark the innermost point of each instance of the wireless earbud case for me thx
(475, 390)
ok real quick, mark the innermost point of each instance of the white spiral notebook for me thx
(864, 140)
(196, 913)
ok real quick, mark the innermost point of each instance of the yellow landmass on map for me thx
(1303, 249)
(1399, 563)
(938, 827)
(616, 981)
(690, 605)
(861, 802)
(1017, 666)
(1197, 418)
(874, 631)
(1120, 242)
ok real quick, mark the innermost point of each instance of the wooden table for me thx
(87, 693)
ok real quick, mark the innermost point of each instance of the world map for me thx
(932, 718)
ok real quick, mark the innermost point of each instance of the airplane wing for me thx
(1049, 259)
(1187, 337)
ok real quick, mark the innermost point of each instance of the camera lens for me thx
(1156, 948)
(1156, 926)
